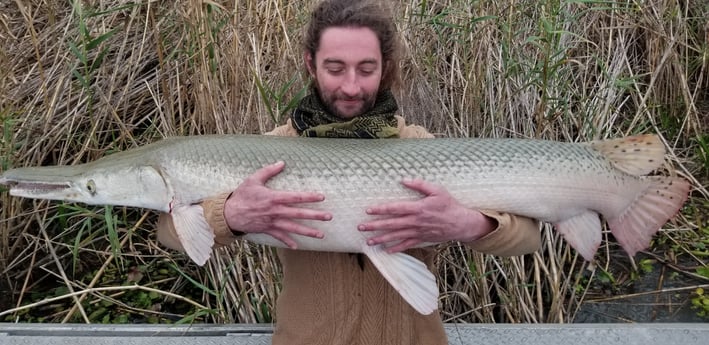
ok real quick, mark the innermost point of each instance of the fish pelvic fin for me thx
(193, 231)
(409, 276)
(636, 155)
(661, 201)
(583, 233)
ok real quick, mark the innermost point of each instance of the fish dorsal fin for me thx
(194, 232)
(635, 155)
(583, 233)
(409, 276)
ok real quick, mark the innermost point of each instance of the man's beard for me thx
(328, 100)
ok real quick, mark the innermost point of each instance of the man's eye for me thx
(366, 72)
(335, 70)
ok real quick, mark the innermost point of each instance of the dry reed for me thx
(81, 79)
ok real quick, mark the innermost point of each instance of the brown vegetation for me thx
(80, 80)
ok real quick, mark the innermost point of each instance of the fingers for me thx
(291, 227)
(264, 174)
(423, 187)
(255, 208)
(283, 237)
(427, 189)
(284, 229)
(395, 208)
(288, 197)
(406, 224)
(391, 237)
(389, 224)
(402, 240)
(400, 232)
(286, 212)
(404, 245)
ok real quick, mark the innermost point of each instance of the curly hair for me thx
(372, 14)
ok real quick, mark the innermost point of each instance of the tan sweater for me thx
(327, 298)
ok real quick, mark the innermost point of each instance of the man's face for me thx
(348, 70)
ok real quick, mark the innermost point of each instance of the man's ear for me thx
(309, 60)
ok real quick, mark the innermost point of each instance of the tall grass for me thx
(80, 80)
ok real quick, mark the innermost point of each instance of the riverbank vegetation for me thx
(79, 80)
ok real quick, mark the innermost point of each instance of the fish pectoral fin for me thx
(635, 226)
(582, 232)
(636, 155)
(193, 231)
(409, 276)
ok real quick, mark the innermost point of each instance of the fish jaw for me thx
(53, 183)
(34, 189)
(135, 186)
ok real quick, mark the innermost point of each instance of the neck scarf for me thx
(311, 119)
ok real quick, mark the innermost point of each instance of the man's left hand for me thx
(436, 217)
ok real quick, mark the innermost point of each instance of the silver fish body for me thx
(539, 179)
(567, 184)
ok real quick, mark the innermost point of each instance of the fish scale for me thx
(566, 184)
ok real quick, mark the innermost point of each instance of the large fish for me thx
(566, 184)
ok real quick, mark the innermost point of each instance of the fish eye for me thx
(91, 187)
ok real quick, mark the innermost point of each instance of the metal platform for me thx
(459, 334)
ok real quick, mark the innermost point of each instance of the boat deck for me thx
(459, 334)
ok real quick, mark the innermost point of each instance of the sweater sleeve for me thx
(213, 209)
(514, 235)
(412, 131)
(214, 214)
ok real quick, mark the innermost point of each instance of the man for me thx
(352, 55)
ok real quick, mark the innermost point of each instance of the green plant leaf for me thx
(98, 40)
(109, 218)
(194, 282)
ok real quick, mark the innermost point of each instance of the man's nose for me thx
(350, 85)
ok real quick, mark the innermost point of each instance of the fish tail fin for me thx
(409, 276)
(634, 227)
(636, 155)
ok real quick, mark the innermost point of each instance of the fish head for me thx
(128, 185)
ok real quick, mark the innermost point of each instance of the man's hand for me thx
(255, 208)
(437, 217)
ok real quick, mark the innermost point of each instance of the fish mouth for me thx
(33, 187)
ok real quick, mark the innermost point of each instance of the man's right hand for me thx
(255, 208)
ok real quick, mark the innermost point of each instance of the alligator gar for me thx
(566, 184)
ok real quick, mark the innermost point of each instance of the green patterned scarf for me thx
(311, 119)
